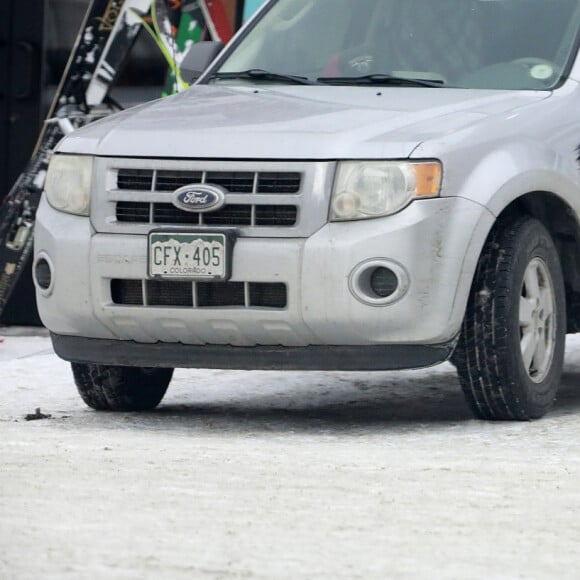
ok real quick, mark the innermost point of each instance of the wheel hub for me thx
(536, 319)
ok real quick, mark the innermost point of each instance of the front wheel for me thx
(511, 349)
(115, 388)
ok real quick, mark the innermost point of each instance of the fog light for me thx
(379, 282)
(43, 274)
(383, 282)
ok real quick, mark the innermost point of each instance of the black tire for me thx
(114, 388)
(498, 332)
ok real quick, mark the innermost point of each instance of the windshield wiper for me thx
(380, 79)
(257, 74)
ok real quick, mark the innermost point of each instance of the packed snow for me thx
(282, 475)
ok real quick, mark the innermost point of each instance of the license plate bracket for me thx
(190, 255)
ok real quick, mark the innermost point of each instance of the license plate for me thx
(188, 256)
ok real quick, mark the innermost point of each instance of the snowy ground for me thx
(295, 475)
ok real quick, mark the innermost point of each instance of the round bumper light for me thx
(43, 276)
(383, 282)
(379, 282)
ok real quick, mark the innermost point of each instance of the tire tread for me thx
(482, 354)
(115, 388)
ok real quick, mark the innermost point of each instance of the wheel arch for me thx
(561, 221)
(510, 352)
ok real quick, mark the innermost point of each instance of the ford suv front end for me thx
(329, 197)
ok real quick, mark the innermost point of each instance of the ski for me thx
(106, 36)
(218, 20)
(174, 25)
(188, 26)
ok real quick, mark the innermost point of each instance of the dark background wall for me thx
(21, 84)
(21, 111)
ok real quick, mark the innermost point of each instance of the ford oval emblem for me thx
(199, 197)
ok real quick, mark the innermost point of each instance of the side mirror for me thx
(198, 58)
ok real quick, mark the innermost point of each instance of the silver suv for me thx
(368, 185)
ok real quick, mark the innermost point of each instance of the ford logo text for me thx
(199, 197)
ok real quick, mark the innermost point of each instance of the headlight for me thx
(369, 189)
(68, 183)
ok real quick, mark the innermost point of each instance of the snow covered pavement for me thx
(282, 475)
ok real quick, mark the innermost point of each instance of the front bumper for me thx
(306, 358)
(436, 242)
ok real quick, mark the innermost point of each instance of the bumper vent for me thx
(174, 294)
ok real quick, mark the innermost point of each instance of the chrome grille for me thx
(230, 215)
(135, 179)
(235, 182)
(266, 199)
(177, 294)
(273, 182)
(238, 182)
(172, 180)
(238, 215)
(137, 213)
(276, 215)
(278, 182)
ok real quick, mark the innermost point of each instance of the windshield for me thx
(487, 44)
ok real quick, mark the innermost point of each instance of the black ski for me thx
(106, 36)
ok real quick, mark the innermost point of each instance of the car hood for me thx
(292, 122)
